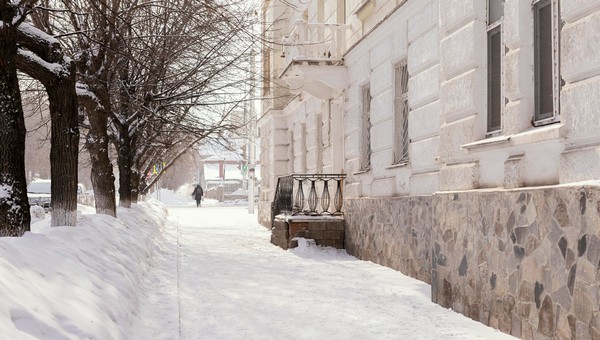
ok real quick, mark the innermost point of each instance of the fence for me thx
(308, 194)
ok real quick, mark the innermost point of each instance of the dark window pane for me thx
(494, 79)
(544, 63)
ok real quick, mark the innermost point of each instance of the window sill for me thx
(360, 172)
(400, 164)
(530, 136)
(486, 142)
(547, 121)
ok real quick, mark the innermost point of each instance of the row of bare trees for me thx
(149, 79)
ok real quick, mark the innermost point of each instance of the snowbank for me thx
(78, 283)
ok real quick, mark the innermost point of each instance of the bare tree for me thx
(161, 76)
(154, 78)
(40, 56)
(14, 207)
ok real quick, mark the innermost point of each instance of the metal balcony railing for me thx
(309, 194)
(312, 42)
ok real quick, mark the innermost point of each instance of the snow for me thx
(55, 68)
(204, 273)
(5, 191)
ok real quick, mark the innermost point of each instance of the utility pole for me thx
(252, 132)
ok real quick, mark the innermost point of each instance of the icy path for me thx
(233, 284)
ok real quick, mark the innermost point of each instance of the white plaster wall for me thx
(447, 62)
(372, 62)
(580, 67)
(554, 154)
(518, 66)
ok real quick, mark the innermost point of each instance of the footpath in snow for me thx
(224, 280)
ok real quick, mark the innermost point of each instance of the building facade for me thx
(468, 131)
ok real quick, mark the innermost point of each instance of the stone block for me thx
(579, 165)
(382, 79)
(462, 96)
(579, 42)
(424, 52)
(333, 235)
(318, 226)
(579, 102)
(424, 153)
(424, 184)
(512, 172)
(382, 137)
(424, 87)
(336, 226)
(576, 9)
(424, 122)
(381, 54)
(459, 177)
(457, 12)
(316, 234)
(296, 227)
(458, 52)
(454, 135)
(582, 308)
(423, 20)
(517, 78)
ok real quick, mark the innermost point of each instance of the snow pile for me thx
(309, 249)
(80, 282)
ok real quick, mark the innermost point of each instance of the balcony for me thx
(314, 58)
(302, 207)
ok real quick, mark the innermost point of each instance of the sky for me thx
(182, 272)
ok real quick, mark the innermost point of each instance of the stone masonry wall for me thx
(393, 232)
(327, 232)
(523, 261)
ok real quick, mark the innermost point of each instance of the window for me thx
(365, 147)
(547, 85)
(495, 54)
(401, 110)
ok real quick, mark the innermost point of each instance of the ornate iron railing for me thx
(315, 42)
(309, 194)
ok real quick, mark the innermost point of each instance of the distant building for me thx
(468, 130)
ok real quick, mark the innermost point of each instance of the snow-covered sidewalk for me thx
(218, 277)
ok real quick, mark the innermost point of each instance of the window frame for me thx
(365, 132)
(493, 28)
(544, 118)
(401, 111)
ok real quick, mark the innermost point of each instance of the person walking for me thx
(197, 194)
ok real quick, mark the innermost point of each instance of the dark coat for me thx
(198, 192)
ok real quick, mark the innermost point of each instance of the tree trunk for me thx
(96, 142)
(15, 217)
(125, 163)
(103, 178)
(64, 150)
(136, 179)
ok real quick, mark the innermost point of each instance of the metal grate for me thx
(365, 157)
(401, 110)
